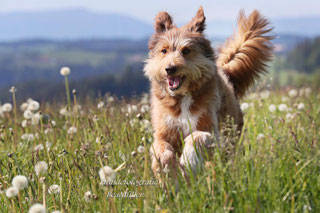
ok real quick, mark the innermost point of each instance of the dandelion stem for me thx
(44, 194)
(13, 90)
(20, 203)
(67, 92)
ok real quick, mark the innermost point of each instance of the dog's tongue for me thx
(174, 82)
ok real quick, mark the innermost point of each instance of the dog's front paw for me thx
(165, 161)
(193, 150)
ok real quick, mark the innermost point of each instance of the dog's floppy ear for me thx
(163, 22)
(197, 23)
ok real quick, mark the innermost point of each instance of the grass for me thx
(275, 172)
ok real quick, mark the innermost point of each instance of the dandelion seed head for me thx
(28, 137)
(301, 106)
(260, 136)
(87, 196)
(244, 107)
(54, 189)
(38, 147)
(289, 116)
(72, 130)
(28, 114)
(141, 149)
(33, 105)
(24, 123)
(272, 108)
(7, 107)
(63, 111)
(100, 104)
(37, 208)
(12, 192)
(110, 99)
(20, 182)
(265, 94)
(283, 108)
(64, 71)
(24, 106)
(293, 93)
(107, 174)
(41, 168)
(36, 119)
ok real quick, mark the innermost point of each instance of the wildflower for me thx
(33, 105)
(283, 108)
(301, 106)
(272, 108)
(265, 94)
(24, 123)
(12, 192)
(260, 136)
(100, 104)
(28, 114)
(27, 137)
(20, 182)
(107, 174)
(37, 208)
(244, 107)
(132, 109)
(54, 189)
(12, 89)
(144, 108)
(39, 147)
(110, 99)
(48, 130)
(87, 196)
(166, 169)
(293, 93)
(41, 167)
(141, 149)
(36, 119)
(72, 130)
(7, 107)
(48, 145)
(289, 116)
(63, 111)
(24, 107)
(65, 71)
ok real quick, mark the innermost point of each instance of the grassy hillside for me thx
(274, 166)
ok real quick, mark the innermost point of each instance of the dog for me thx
(194, 90)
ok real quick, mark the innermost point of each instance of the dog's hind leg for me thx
(192, 154)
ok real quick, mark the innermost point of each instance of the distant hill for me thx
(84, 24)
(70, 24)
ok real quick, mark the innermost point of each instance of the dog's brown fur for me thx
(209, 90)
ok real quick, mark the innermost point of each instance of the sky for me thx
(182, 10)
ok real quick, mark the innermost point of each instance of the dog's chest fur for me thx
(186, 121)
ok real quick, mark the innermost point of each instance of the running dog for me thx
(193, 89)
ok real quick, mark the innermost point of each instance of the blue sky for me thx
(182, 10)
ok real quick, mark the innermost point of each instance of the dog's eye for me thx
(164, 51)
(185, 51)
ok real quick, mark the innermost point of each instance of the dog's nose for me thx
(171, 69)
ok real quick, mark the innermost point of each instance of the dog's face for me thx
(180, 59)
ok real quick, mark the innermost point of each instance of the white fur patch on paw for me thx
(192, 151)
(190, 157)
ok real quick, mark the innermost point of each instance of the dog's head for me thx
(180, 60)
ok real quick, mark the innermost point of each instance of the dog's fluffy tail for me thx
(244, 56)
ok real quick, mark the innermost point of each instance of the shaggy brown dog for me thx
(192, 90)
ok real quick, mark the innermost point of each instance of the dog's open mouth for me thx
(174, 82)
